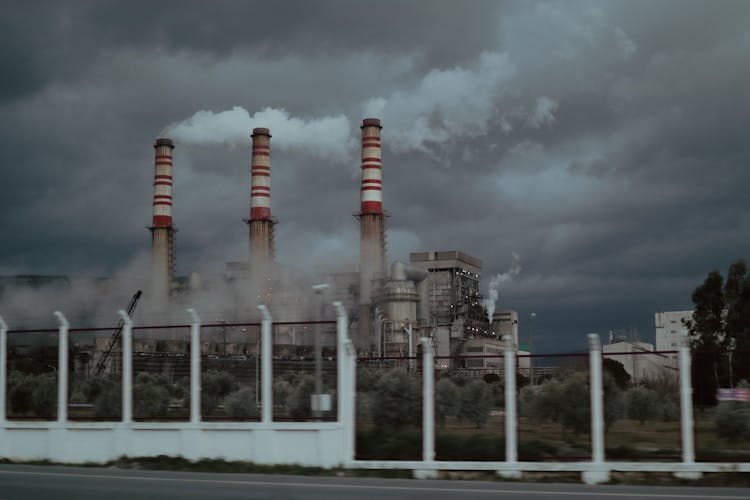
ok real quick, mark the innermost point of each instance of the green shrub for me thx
(299, 401)
(20, 387)
(642, 404)
(476, 403)
(397, 400)
(732, 420)
(44, 395)
(240, 404)
(447, 400)
(215, 386)
(150, 396)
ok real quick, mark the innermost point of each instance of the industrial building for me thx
(436, 294)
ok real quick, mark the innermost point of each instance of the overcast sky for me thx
(606, 143)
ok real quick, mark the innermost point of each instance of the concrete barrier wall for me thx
(312, 444)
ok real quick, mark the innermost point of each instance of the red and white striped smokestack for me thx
(260, 185)
(163, 183)
(371, 190)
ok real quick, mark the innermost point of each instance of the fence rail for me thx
(273, 352)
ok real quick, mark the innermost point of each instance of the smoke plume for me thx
(444, 104)
(327, 137)
(494, 287)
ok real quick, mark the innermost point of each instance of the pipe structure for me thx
(162, 229)
(62, 367)
(127, 367)
(3, 367)
(260, 222)
(266, 373)
(372, 227)
(195, 366)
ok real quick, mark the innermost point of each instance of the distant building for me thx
(638, 359)
(505, 322)
(670, 328)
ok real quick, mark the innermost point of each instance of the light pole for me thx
(531, 347)
(316, 410)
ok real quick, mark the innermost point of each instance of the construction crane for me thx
(115, 339)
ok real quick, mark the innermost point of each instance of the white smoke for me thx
(494, 287)
(445, 103)
(327, 137)
(543, 113)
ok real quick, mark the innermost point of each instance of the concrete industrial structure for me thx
(162, 229)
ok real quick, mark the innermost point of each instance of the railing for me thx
(400, 401)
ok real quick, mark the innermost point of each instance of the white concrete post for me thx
(345, 391)
(428, 401)
(511, 423)
(3, 368)
(195, 367)
(686, 401)
(266, 373)
(62, 367)
(351, 400)
(598, 473)
(127, 367)
(341, 361)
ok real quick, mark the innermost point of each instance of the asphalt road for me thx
(24, 482)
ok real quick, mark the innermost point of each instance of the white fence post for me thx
(62, 367)
(511, 422)
(266, 342)
(3, 367)
(127, 367)
(598, 472)
(195, 367)
(344, 390)
(428, 402)
(686, 409)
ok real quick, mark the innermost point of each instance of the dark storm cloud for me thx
(603, 142)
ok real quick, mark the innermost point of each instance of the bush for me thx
(241, 404)
(282, 391)
(476, 403)
(299, 400)
(44, 395)
(670, 410)
(151, 396)
(642, 404)
(732, 420)
(397, 400)
(20, 387)
(447, 400)
(215, 386)
(108, 403)
(568, 402)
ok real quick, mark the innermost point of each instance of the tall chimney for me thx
(372, 228)
(162, 230)
(261, 223)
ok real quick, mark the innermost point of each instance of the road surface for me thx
(25, 482)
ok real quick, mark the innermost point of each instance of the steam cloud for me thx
(494, 287)
(327, 137)
(456, 102)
